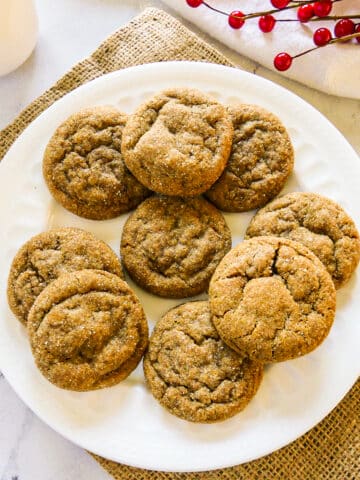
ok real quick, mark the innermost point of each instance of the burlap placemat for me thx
(331, 449)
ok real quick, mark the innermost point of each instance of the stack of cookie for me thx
(271, 298)
(86, 327)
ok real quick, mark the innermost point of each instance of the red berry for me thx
(357, 30)
(282, 61)
(267, 23)
(305, 12)
(280, 3)
(344, 27)
(322, 8)
(194, 3)
(322, 36)
(235, 19)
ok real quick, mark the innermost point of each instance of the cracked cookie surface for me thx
(318, 223)
(84, 169)
(190, 370)
(50, 254)
(178, 142)
(272, 299)
(171, 246)
(259, 164)
(87, 330)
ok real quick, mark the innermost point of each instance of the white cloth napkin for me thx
(334, 69)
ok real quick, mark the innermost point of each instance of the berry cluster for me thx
(345, 29)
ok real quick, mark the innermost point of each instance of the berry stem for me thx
(305, 52)
(276, 10)
(345, 38)
(320, 19)
(333, 17)
(215, 9)
(294, 4)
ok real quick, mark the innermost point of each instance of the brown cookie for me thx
(84, 169)
(178, 142)
(318, 223)
(48, 255)
(272, 299)
(192, 373)
(171, 246)
(87, 330)
(260, 162)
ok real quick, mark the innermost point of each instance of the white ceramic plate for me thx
(124, 423)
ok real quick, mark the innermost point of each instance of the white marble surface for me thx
(69, 31)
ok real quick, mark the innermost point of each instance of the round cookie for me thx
(192, 373)
(177, 143)
(318, 223)
(87, 330)
(260, 162)
(84, 169)
(171, 246)
(48, 255)
(272, 299)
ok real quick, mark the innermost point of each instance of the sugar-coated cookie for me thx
(272, 299)
(84, 169)
(171, 246)
(318, 223)
(87, 330)
(192, 373)
(260, 162)
(178, 142)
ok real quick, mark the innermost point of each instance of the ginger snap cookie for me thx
(48, 255)
(260, 161)
(178, 142)
(272, 299)
(192, 373)
(87, 330)
(84, 169)
(318, 223)
(171, 246)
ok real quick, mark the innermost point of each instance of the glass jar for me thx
(18, 33)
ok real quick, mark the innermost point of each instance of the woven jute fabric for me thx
(331, 450)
